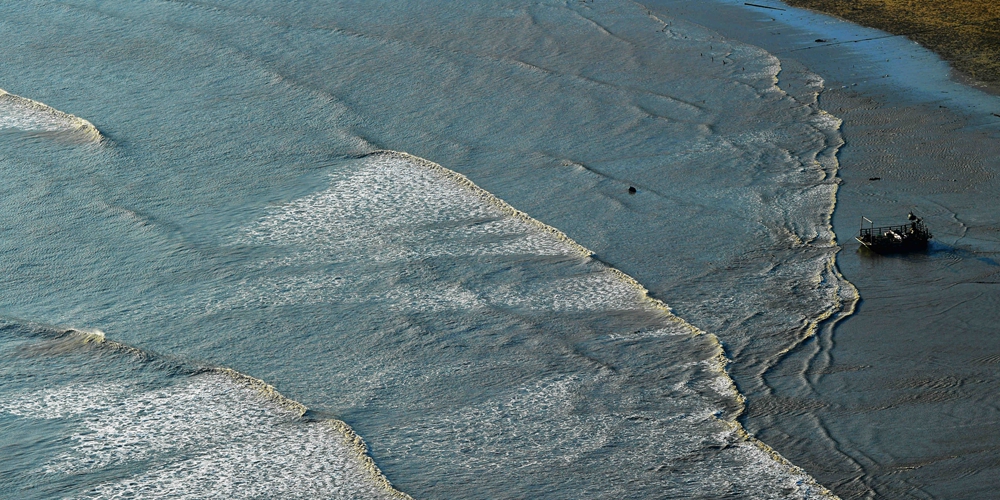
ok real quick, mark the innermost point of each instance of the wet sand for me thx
(900, 399)
(964, 32)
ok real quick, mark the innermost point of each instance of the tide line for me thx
(720, 360)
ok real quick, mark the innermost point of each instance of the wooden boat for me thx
(895, 239)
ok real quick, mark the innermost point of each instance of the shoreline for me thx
(854, 405)
(847, 55)
(965, 33)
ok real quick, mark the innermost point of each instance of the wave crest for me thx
(21, 113)
(199, 425)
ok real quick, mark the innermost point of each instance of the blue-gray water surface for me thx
(224, 279)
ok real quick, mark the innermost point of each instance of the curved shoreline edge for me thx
(720, 358)
(844, 296)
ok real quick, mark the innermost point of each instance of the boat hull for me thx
(905, 238)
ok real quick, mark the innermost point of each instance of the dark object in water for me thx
(631, 190)
(895, 239)
(820, 40)
(874, 178)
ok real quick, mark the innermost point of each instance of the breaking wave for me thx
(381, 210)
(187, 431)
(21, 113)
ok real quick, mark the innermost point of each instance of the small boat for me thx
(895, 239)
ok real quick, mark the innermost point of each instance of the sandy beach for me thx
(899, 400)
(965, 32)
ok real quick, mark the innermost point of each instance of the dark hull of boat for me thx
(903, 238)
(890, 247)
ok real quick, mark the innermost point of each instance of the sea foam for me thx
(21, 113)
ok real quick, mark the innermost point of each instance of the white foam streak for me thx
(20, 113)
(207, 438)
(393, 211)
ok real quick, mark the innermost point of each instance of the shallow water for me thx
(896, 401)
(235, 211)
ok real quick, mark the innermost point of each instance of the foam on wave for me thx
(369, 216)
(21, 113)
(215, 433)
